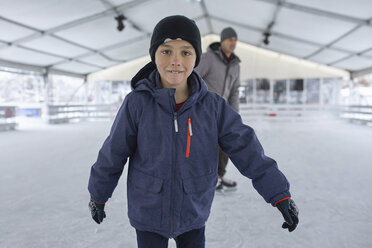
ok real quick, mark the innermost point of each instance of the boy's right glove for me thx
(97, 211)
(289, 211)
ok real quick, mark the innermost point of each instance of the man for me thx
(219, 67)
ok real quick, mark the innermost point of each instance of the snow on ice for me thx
(45, 171)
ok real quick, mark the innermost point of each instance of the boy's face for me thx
(175, 61)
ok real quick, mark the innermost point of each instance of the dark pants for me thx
(222, 162)
(192, 239)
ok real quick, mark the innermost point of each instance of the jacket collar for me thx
(148, 80)
(215, 48)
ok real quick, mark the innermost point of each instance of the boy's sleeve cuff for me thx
(279, 197)
(285, 198)
(98, 200)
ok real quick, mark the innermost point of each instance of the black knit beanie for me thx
(174, 27)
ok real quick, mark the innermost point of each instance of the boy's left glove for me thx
(289, 211)
(97, 211)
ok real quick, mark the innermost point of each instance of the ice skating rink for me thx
(44, 197)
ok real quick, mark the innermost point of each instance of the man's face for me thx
(228, 45)
(175, 61)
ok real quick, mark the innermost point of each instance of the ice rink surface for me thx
(45, 171)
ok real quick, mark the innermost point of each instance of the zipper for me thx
(189, 134)
(175, 122)
(171, 210)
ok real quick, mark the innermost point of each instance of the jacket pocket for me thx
(197, 199)
(144, 198)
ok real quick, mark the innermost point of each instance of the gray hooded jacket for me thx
(220, 75)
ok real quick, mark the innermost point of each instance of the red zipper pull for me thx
(189, 134)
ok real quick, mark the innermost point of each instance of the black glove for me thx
(289, 211)
(97, 211)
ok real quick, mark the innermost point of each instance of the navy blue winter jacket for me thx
(172, 154)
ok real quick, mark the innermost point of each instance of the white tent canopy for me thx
(80, 37)
(256, 63)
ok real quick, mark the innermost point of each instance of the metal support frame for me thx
(74, 23)
(22, 66)
(333, 42)
(304, 92)
(361, 73)
(206, 15)
(318, 12)
(321, 90)
(271, 24)
(254, 85)
(360, 23)
(51, 32)
(113, 10)
(288, 91)
(48, 96)
(271, 91)
(280, 35)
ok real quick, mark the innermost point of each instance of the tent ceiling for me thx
(80, 37)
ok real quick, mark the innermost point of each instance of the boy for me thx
(170, 127)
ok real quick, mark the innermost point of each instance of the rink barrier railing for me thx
(357, 113)
(7, 118)
(68, 113)
(288, 111)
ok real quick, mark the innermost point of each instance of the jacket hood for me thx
(148, 80)
(215, 48)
